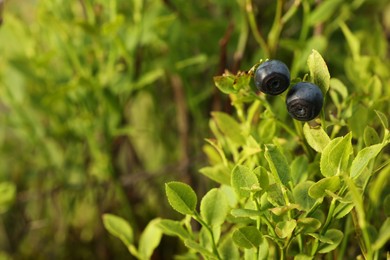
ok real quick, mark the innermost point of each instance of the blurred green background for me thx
(103, 101)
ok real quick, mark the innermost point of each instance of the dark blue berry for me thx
(272, 77)
(304, 101)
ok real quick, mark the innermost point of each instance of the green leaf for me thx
(339, 86)
(353, 41)
(229, 127)
(308, 225)
(363, 158)
(284, 229)
(317, 138)
(230, 195)
(150, 239)
(262, 176)
(173, 228)
(374, 88)
(215, 144)
(335, 156)
(219, 173)
(342, 210)
(301, 195)
(319, 72)
(318, 189)
(243, 180)
(225, 84)
(181, 197)
(333, 235)
(383, 236)
(275, 195)
(371, 137)
(119, 228)
(267, 129)
(299, 169)
(324, 11)
(278, 164)
(214, 207)
(383, 118)
(247, 237)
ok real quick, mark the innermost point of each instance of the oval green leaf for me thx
(299, 169)
(214, 207)
(285, 228)
(317, 138)
(371, 137)
(278, 164)
(333, 235)
(181, 197)
(119, 228)
(301, 195)
(150, 239)
(247, 237)
(319, 72)
(219, 173)
(342, 210)
(243, 180)
(308, 225)
(318, 189)
(363, 158)
(229, 127)
(173, 228)
(335, 156)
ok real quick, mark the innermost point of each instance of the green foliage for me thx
(275, 206)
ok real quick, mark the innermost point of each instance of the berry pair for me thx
(304, 100)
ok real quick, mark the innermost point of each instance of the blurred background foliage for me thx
(103, 101)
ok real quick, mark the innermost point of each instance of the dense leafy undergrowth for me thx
(105, 106)
(283, 192)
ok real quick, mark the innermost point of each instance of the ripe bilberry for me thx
(272, 77)
(304, 101)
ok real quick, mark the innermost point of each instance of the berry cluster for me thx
(304, 100)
